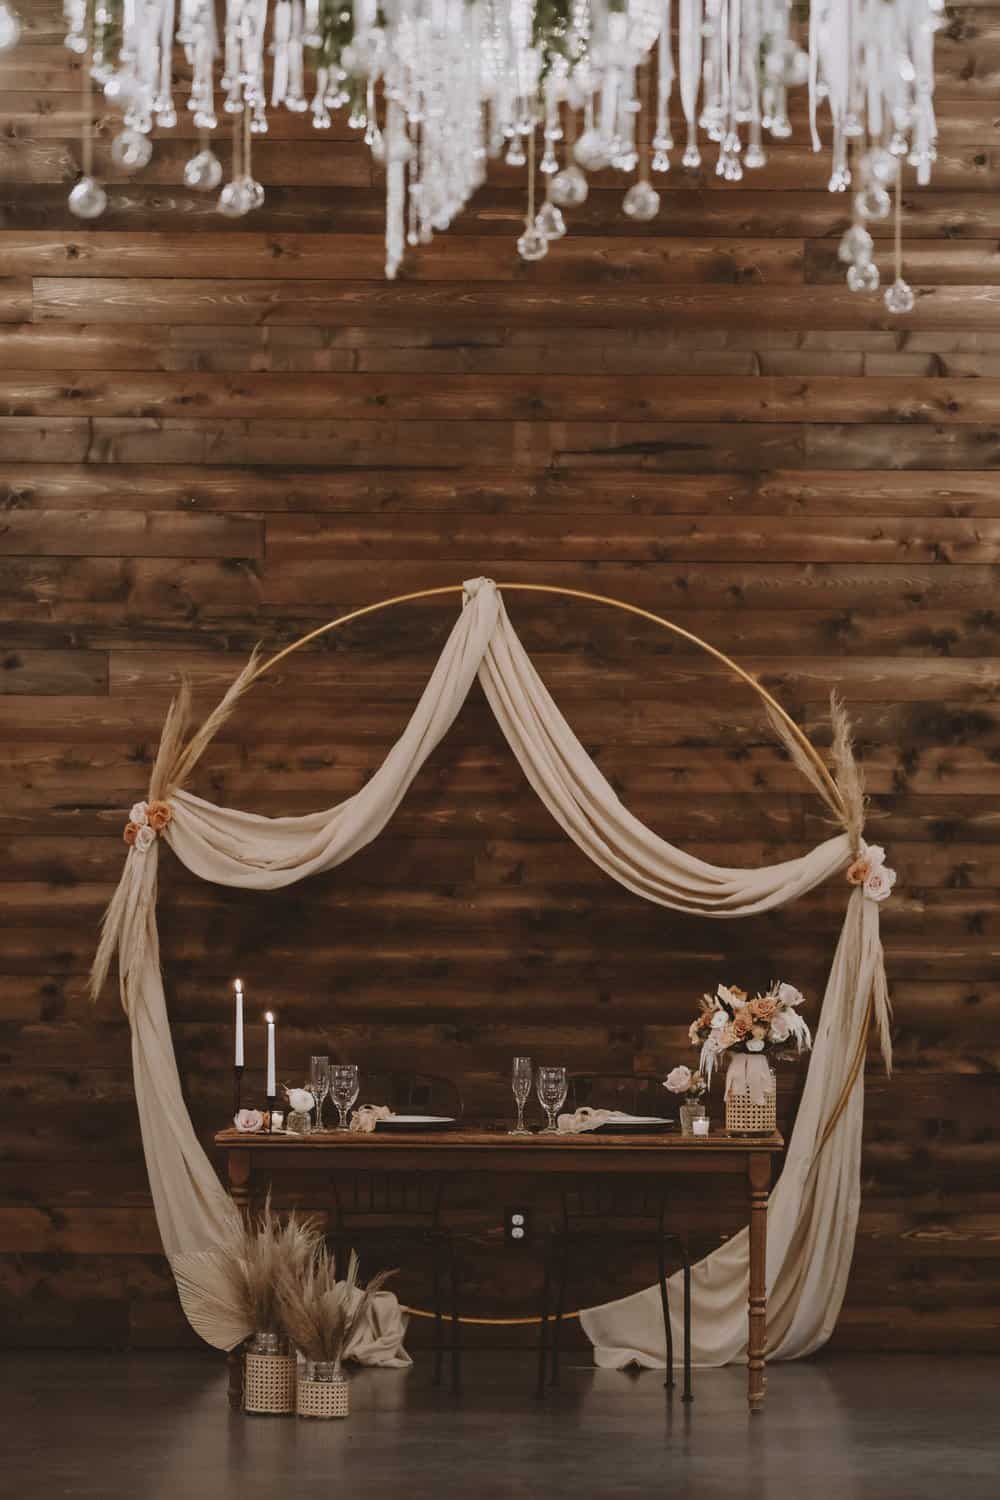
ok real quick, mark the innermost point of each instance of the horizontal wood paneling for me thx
(214, 433)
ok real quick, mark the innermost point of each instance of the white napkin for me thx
(587, 1118)
(367, 1117)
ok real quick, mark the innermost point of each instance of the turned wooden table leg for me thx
(238, 1171)
(759, 1173)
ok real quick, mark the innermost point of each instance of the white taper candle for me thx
(238, 990)
(271, 1085)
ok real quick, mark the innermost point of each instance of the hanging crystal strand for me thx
(642, 201)
(663, 141)
(254, 191)
(690, 76)
(88, 200)
(163, 102)
(413, 203)
(532, 244)
(754, 156)
(281, 33)
(899, 297)
(397, 149)
(728, 165)
(710, 119)
(234, 200)
(569, 187)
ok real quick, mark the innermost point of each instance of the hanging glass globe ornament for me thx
(203, 172)
(550, 222)
(532, 245)
(899, 297)
(856, 246)
(234, 200)
(641, 202)
(863, 278)
(254, 192)
(591, 151)
(131, 150)
(568, 188)
(879, 165)
(873, 202)
(10, 28)
(88, 200)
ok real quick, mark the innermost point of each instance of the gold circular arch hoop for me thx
(806, 745)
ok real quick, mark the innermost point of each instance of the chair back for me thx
(634, 1093)
(603, 1198)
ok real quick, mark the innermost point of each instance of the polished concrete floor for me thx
(153, 1426)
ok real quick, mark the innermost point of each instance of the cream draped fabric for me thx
(814, 1209)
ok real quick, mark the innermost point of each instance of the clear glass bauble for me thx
(532, 245)
(641, 202)
(754, 157)
(591, 151)
(873, 202)
(785, 62)
(863, 278)
(899, 297)
(10, 28)
(88, 200)
(203, 172)
(550, 221)
(568, 188)
(856, 246)
(254, 192)
(879, 165)
(131, 150)
(691, 158)
(234, 200)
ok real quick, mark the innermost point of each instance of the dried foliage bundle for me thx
(319, 1313)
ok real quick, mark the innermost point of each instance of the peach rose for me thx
(859, 872)
(131, 833)
(159, 815)
(741, 1026)
(764, 1007)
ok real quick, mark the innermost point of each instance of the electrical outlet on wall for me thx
(516, 1226)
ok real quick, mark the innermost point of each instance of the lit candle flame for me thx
(269, 1018)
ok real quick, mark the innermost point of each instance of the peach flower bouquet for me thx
(730, 1022)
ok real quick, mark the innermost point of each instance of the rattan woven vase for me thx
(743, 1117)
(268, 1377)
(322, 1392)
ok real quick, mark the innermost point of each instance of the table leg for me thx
(759, 1174)
(238, 1172)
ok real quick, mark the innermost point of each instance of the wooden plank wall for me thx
(213, 434)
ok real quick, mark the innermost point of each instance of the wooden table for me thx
(483, 1151)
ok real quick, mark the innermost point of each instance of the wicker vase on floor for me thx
(268, 1377)
(322, 1392)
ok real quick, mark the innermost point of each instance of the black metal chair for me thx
(376, 1212)
(589, 1207)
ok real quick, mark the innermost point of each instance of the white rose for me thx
(678, 1080)
(144, 838)
(301, 1099)
(879, 883)
(780, 1029)
(789, 995)
(874, 854)
(719, 1020)
(755, 1045)
(138, 815)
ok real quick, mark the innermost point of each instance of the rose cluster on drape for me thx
(813, 1210)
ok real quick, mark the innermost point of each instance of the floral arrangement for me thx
(145, 821)
(730, 1022)
(681, 1080)
(871, 872)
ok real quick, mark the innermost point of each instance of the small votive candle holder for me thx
(700, 1126)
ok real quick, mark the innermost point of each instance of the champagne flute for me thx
(520, 1082)
(552, 1086)
(344, 1089)
(319, 1079)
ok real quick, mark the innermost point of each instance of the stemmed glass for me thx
(344, 1089)
(520, 1082)
(552, 1087)
(319, 1079)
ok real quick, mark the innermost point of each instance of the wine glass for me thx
(552, 1087)
(344, 1089)
(319, 1079)
(520, 1082)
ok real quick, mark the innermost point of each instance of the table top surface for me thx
(497, 1139)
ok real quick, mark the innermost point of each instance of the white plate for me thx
(419, 1120)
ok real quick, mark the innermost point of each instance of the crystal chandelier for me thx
(559, 88)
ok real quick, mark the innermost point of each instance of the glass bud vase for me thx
(691, 1110)
(299, 1122)
(323, 1391)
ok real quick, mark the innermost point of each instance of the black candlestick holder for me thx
(272, 1100)
(237, 1089)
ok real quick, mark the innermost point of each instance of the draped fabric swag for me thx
(813, 1211)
